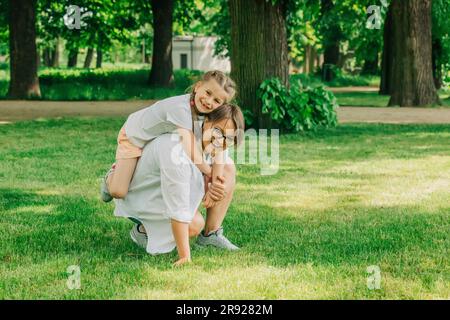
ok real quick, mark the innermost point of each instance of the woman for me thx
(167, 188)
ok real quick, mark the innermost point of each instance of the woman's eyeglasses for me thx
(220, 140)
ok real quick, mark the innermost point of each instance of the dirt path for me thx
(11, 111)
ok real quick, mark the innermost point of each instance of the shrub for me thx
(299, 108)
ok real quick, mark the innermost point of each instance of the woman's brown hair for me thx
(233, 112)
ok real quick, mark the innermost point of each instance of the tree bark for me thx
(46, 57)
(73, 58)
(437, 63)
(88, 59)
(24, 81)
(54, 58)
(258, 51)
(387, 62)
(161, 74)
(99, 60)
(413, 83)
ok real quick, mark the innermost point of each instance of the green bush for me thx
(341, 80)
(299, 108)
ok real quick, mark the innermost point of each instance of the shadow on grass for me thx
(43, 226)
(83, 228)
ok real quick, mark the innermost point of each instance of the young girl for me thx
(165, 193)
(175, 113)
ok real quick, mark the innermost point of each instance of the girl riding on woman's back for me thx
(175, 113)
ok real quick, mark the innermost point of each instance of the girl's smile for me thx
(209, 95)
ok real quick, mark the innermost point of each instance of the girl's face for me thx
(218, 135)
(209, 95)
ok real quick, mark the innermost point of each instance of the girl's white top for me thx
(166, 185)
(163, 116)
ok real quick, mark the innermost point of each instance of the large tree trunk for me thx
(73, 58)
(258, 51)
(161, 74)
(413, 83)
(387, 63)
(24, 81)
(88, 59)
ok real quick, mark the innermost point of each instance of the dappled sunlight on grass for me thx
(342, 200)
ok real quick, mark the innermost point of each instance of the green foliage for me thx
(114, 83)
(441, 29)
(298, 108)
(111, 21)
(4, 30)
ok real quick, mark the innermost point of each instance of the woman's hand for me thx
(182, 261)
(208, 202)
(217, 189)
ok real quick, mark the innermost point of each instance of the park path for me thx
(11, 111)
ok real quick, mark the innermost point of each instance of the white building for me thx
(190, 52)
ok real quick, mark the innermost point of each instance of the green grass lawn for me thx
(108, 83)
(343, 199)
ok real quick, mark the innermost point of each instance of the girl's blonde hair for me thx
(233, 112)
(224, 81)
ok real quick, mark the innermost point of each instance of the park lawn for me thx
(344, 199)
(373, 99)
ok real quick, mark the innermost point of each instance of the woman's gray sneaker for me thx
(104, 193)
(138, 237)
(216, 239)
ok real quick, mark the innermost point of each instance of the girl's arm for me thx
(181, 234)
(190, 147)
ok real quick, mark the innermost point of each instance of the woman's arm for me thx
(181, 234)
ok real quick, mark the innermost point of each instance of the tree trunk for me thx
(24, 81)
(89, 56)
(73, 58)
(387, 63)
(312, 59)
(99, 60)
(370, 66)
(46, 57)
(436, 62)
(413, 83)
(257, 27)
(331, 43)
(161, 74)
(54, 59)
